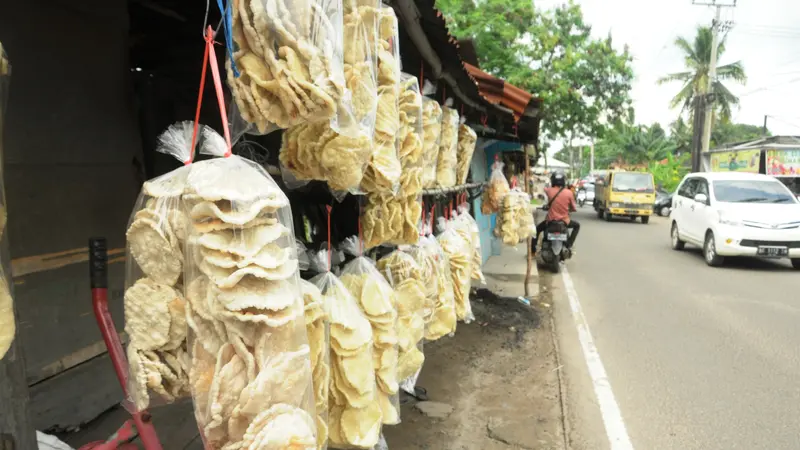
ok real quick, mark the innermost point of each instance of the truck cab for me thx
(625, 194)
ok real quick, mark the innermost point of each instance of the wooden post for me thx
(16, 429)
(530, 239)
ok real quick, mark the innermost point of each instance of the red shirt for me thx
(563, 204)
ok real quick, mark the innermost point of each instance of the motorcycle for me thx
(554, 246)
(581, 198)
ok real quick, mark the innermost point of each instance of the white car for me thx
(736, 214)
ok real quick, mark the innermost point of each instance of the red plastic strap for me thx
(422, 228)
(433, 213)
(218, 88)
(199, 105)
(484, 119)
(421, 74)
(329, 236)
(462, 110)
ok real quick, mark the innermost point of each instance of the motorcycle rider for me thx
(561, 202)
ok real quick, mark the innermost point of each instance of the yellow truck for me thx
(625, 194)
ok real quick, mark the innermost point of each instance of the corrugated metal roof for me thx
(498, 91)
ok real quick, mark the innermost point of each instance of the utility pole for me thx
(764, 130)
(698, 124)
(706, 122)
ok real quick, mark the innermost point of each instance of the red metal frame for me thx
(140, 425)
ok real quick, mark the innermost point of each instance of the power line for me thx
(785, 122)
(766, 88)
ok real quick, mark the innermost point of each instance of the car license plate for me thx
(556, 237)
(773, 251)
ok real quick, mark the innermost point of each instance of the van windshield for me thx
(633, 182)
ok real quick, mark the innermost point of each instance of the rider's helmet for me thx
(557, 179)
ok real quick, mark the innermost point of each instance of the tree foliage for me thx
(697, 60)
(583, 81)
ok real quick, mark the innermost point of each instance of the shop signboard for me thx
(736, 161)
(783, 163)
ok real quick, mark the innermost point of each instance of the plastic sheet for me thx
(355, 417)
(251, 363)
(467, 138)
(289, 61)
(7, 321)
(459, 254)
(448, 145)
(432, 131)
(377, 301)
(497, 189)
(154, 305)
(383, 172)
(405, 276)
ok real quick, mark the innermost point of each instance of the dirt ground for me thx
(500, 376)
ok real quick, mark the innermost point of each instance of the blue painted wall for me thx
(480, 172)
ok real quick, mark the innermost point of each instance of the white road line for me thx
(612, 417)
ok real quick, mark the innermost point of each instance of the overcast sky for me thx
(765, 37)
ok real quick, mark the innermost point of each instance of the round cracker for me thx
(153, 252)
(245, 242)
(228, 278)
(252, 292)
(237, 213)
(361, 426)
(147, 316)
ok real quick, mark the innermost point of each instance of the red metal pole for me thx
(98, 273)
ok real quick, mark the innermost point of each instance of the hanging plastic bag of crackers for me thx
(355, 417)
(497, 189)
(377, 300)
(154, 305)
(7, 321)
(251, 372)
(467, 138)
(285, 65)
(319, 151)
(459, 254)
(446, 169)
(405, 276)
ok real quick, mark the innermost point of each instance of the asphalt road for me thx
(697, 357)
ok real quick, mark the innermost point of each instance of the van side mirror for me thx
(701, 198)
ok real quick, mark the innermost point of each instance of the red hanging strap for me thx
(433, 211)
(199, 104)
(218, 88)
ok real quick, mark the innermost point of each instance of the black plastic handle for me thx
(98, 263)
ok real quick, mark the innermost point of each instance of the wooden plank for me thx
(51, 261)
(76, 396)
(56, 318)
(73, 359)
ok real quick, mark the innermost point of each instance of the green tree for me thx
(633, 144)
(697, 59)
(681, 135)
(549, 53)
(726, 132)
(669, 172)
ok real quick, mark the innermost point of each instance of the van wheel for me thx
(645, 219)
(677, 243)
(599, 213)
(796, 263)
(710, 251)
(607, 216)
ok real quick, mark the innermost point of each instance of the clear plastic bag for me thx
(467, 227)
(318, 151)
(426, 260)
(7, 320)
(383, 172)
(497, 189)
(444, 319)
(388, 219)
(154, 303)
(318, 330)
(467, 138)
(515, 218)
(354, 415)
(448, 145)
(377, 301)
(410, 136)
(459, 254)
(432, 131)
(405, 276)
(250, 373)
(286, 66)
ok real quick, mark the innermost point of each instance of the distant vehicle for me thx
(626, 194)
(663, 204)
(586, 194)
(736, 214)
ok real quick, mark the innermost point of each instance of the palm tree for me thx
(697, 58)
